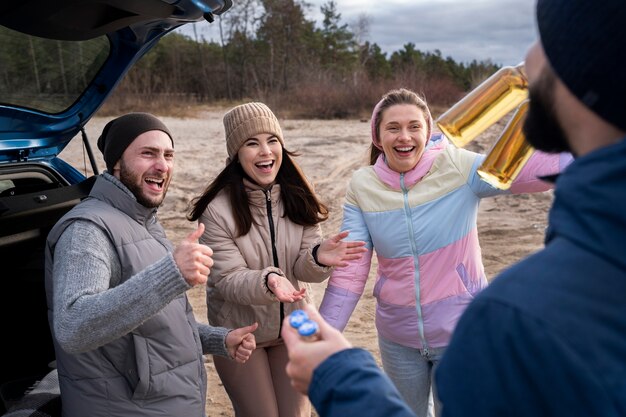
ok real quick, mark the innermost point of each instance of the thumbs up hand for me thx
(241, 342)
(194, 259)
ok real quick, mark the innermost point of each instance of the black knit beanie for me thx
(121, 132)
(585, 43)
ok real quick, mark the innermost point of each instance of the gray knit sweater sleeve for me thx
(90, 309)
(213, 340)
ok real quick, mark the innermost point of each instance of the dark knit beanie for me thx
(121, 132)
(585, 43)
(247, 120)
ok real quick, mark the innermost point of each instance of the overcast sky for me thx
(500, 30)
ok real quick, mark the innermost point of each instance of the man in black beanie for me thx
(548, 336)
(125, 337)
(122, 131)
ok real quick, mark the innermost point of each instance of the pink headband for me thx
(373, 121)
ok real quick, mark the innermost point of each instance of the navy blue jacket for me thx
(350, 383)
(548, 336)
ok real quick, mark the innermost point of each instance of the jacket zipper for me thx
(268, 202)
(418, 304)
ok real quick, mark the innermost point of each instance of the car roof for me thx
(38, 123)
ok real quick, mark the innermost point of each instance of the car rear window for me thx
(44, 74)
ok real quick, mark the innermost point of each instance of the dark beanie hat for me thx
(121, 132)
(585, 43)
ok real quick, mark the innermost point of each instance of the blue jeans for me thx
(412, 371)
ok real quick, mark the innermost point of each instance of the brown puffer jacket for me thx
(236, 291)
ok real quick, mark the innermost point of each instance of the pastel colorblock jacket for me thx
(422, 225)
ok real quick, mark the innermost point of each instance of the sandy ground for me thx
(510, 227)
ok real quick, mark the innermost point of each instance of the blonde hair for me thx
(392, 98)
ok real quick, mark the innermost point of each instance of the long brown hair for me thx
(392, 98)
(301, 204)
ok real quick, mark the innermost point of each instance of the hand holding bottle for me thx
(307, 328)
(305, 356)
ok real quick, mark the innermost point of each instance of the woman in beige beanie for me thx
(262, 220)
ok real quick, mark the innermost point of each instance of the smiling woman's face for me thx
(403, 135)
(260, 157)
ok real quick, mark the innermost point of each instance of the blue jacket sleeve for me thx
(350, 383)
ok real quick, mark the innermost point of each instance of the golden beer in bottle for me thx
(509, 154)
(485, 105)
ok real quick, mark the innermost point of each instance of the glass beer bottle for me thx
(509, 154)
(485, 105)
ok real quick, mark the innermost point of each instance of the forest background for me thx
(270, 51)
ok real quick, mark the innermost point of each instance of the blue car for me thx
(59, 61)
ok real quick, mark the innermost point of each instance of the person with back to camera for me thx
(125, 337)
(546, 338)
(262, 220)
(552, 334)
(416, 205)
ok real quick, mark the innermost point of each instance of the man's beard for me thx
(132, 181)
(541, 127)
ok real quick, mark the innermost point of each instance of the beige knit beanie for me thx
(247, 120)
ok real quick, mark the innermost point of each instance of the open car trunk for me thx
(31, 202)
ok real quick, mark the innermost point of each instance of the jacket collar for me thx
(109, 189)
(257, 195)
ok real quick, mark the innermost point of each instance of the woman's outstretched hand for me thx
(283, 289)
(335, 251)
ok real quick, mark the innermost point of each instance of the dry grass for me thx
(323, 99)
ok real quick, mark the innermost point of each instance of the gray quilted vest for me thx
(158, 368)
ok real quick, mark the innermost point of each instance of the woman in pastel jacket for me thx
(262, 220)
(416, 206)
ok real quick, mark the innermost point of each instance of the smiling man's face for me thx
(146, 167)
